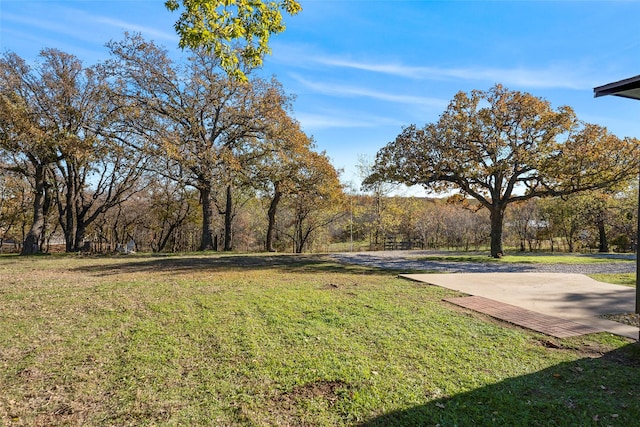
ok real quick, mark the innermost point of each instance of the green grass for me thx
(626, 279)
(282, 340)
(527, 259)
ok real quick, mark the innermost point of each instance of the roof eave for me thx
(627, 88)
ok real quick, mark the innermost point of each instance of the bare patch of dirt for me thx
(328, 390)
(288, 403)
(548, 343)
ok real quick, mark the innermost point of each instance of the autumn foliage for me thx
(501, 146)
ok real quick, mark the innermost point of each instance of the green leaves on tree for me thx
(236, 32)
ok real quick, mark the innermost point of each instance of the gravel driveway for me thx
(410, 261)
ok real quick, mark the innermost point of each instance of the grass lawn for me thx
(543, 258)
(626, 279)
(282, 340)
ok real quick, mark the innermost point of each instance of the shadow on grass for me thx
(213, 263)
(590, 391)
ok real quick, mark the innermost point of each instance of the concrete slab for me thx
(573, 297)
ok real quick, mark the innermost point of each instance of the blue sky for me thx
(361, 70)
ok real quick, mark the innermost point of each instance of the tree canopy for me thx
(209, 126)
(500, 146)
(58, 129)
(236, 32)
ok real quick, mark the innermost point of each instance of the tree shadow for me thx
(600, 303)
(602, 390)
(224, 262)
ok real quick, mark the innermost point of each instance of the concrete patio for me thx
(573, 298)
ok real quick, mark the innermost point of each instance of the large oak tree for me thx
(27, 139)
(57, 126)
(501, 146)
(206, 124)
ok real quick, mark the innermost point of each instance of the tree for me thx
(594, 213)
(502, 146)
(464, 223)
(286, 151)
(521, 217)
(58, 126)
(99, 165)
(430, 223)
(14, 205)
(169, 208)
(625, 220)
(29, 136)
(380, 212)
(236, 32)
(204, 123)
(315, 200)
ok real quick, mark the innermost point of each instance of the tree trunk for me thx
(164, 239)
(602, 234)
(206, 239)
(273, 206)
(299, 237)
(31, 243)
(69, 229)
(228, 219)
(497, 219)
(78, 243)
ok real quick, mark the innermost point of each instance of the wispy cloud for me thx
(41, 24)
(127, 26)
(563, 76)
(311, 121)
(328, 120)
(550, 77)
(69, 26)
(356, 91)
(393, 69)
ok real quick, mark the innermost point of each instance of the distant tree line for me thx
(166, 217)
(594, 221)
